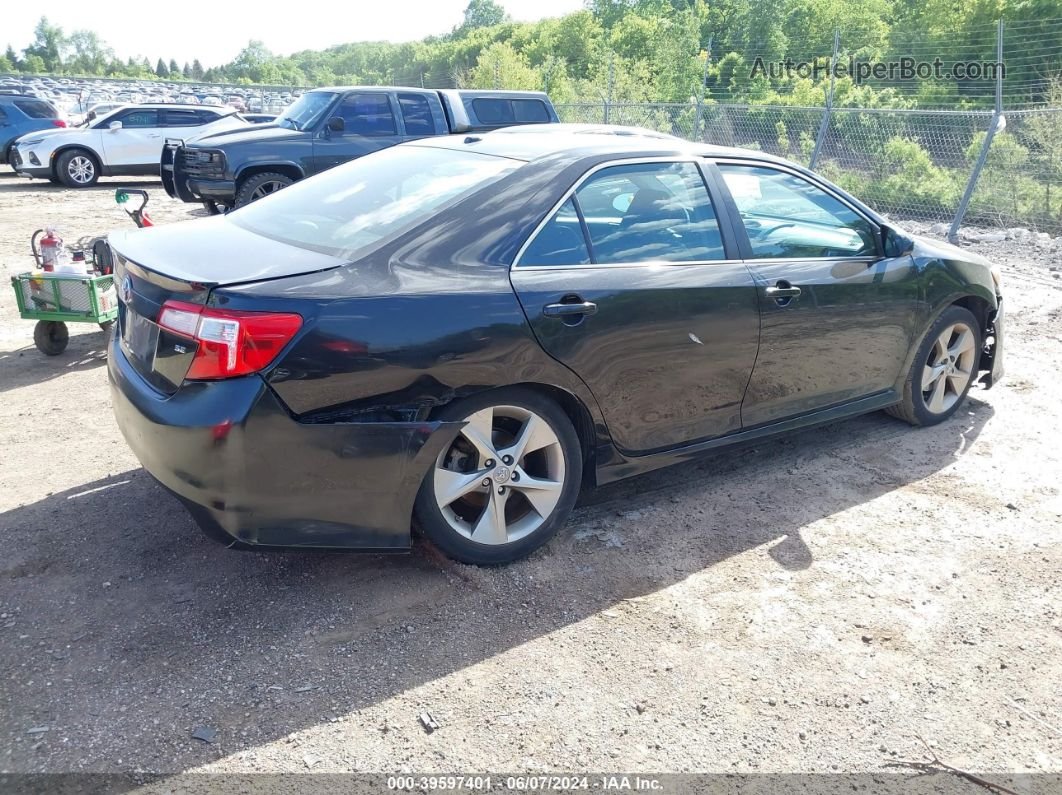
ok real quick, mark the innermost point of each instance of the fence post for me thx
(825, 125)
(999, 122)
(611, 84)
(700, 94)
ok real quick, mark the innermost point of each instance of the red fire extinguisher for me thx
(48, 250)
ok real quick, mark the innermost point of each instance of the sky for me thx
(220, 30)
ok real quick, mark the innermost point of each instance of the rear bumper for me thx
(38, 173)
(252, 476)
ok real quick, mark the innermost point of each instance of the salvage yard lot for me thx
(810, 604)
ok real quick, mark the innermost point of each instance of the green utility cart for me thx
(55, 299)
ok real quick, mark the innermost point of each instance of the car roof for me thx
(167, 106)
(534, 141)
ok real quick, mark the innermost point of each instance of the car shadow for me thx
(144, 630)
(27, 365)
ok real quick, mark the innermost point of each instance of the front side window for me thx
(139, 118)
(787, 217)
(650, 212)
(367, 114)
(350, 209)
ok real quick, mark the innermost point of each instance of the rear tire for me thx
(507, 482)
(51, 337)
(259, 186)
(78, 168)
(944, 369)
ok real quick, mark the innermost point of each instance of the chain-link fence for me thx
(909, 164)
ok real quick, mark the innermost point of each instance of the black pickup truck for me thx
(329, 126)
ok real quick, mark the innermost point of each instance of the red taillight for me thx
(231, 343)
(58, 123)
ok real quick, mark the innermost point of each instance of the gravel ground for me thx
(808, 605)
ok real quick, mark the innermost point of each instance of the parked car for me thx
(20, 115)
(127, 141)
(466, 331)
(329, 126)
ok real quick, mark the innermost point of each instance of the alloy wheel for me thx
(81, 169)
(502, 477)
(266, 188)
(949, 367)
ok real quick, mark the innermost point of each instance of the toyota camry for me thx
(461, 334)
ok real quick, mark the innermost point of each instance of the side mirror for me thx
(895, 243)
(336, 124)
(114, 126)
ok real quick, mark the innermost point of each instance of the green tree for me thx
(186, 72)
(90, 55)
(161, 70)
(11, 57)
(481, 14)
(34, 65)
(500, 66)
(49, 45)
(175, 70)
(197, 70)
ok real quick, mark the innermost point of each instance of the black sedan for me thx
(462, 333)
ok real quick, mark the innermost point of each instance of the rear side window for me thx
(530, 111)
(560, 242)
(491, 110)
(3, 114)
(182, 118)
(650, 212)
(36, 109)
(416, 113)
(367, 114)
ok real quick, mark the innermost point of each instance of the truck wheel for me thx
(259, 186)
(77, 168)
(51, 337)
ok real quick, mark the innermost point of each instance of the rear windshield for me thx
(348, 210)
(36, 109)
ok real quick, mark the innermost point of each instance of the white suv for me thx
(126, 142)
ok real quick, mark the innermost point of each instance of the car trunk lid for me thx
(160, 264)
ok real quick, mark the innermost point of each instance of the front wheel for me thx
(943, 371)
(77, 168)
(507, 482)
(259, 186)
(51, 337)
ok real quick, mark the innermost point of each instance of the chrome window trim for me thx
(635, 161)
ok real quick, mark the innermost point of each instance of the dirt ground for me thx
(809, 605)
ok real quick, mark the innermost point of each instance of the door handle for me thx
(783, 291)
(568, 310)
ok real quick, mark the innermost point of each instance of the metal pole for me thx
(999, 122)
(611, 83)
(700, 95)
(825, 125)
